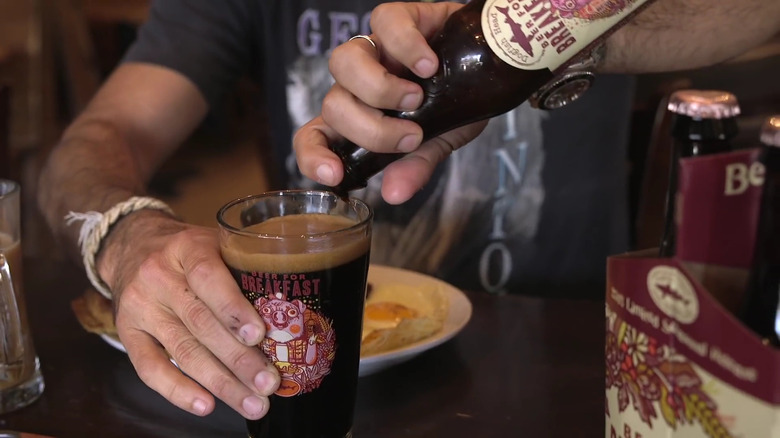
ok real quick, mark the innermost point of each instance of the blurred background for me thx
(55, 53)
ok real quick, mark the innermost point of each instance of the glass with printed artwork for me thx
(301, 258)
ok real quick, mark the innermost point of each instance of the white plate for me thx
(458, 315)
(114, 342)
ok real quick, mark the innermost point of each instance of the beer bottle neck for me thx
(696, 137)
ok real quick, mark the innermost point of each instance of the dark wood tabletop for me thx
(523, 366)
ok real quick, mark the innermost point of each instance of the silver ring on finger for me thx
(367, 38)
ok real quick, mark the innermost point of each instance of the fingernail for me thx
(424, 67)
(410, 101)
(325, 174)
(199, 406)
(408, 143)
(250, 334)
(266, 382)
(253, 406)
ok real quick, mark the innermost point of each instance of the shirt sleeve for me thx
(207, 41)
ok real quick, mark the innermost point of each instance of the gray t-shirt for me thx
(534, 205)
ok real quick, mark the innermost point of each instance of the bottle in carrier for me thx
(703, 123)
(761, 309)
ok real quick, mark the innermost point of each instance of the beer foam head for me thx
(299, 242)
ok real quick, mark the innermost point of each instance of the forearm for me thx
(686, 34)
(91, 169)
(137, 119)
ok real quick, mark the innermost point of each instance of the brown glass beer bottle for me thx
(703, 122)
(761, 310)
(494, 55)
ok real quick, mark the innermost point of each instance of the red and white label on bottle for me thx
(538, 34)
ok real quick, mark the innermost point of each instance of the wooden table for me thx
(522, 367)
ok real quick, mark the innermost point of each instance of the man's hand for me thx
(366, 81)
(668, 35)
(174, 295)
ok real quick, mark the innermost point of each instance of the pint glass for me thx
(301, 259)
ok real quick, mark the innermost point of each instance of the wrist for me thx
(129, 233)
(96, 226)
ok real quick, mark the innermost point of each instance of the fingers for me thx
(196, 364)
(355, 65)
(247, 364)
(315, 160)
(365, 88)
(402, 30)
(400, 34)
(366, 126)
(183, 300)
(405, 177)
(155, 369)
(199, 362)
(211, 282)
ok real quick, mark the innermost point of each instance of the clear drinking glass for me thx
(301, 258)
(21, 382)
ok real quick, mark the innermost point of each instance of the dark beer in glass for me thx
(301, 259)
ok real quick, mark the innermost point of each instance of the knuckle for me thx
(378, 14)
(444, 149)
(388, 90)
(330, 106)
(196, 314)
(297, 142)
(131, 297)
(186, 351)
(232, 315)
(221, 385)
(389, 133)
(245, 359)
(195, 236)
(126, 306)
(376, 137)
(334, 62)
(148, 371)
(151, 268)
(383, 93)
(200, 269)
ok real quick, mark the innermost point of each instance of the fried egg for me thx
(384, 315)
(389, 304)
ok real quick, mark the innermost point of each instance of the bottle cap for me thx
(704, 104)
(770, 131)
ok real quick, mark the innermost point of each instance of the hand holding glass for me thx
(301, 258)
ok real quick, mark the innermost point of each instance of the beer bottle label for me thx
(299, 339)
(539, 34)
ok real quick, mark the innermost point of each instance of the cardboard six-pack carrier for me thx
(678, 363)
